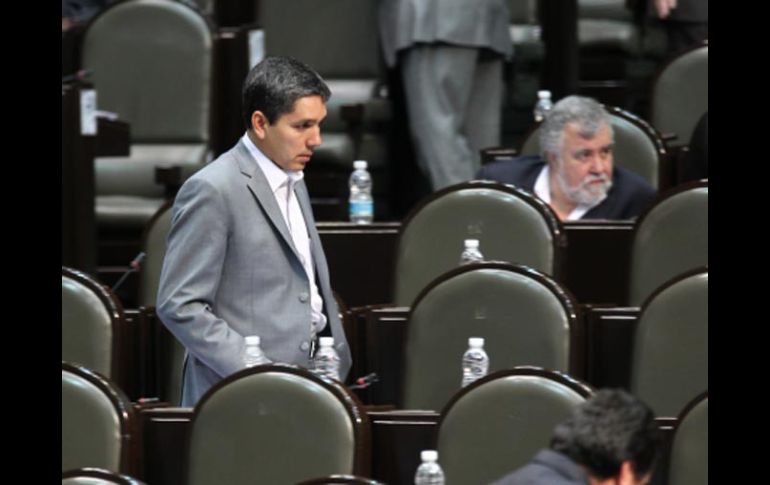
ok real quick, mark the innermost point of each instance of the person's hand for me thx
(664, 7)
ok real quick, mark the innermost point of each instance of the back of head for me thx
(586, 113)
(275, 84)
(610, 428)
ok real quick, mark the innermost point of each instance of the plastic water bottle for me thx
(471, 253)
(361, 203)
(253, 354)
(429, 472)
(543, 105)
(475, 361)
(326, 361)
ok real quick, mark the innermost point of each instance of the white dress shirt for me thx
(543, 190)
(282, 184)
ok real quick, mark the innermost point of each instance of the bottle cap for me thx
(429, 455)
(360, 164)
(326, 341)
(471, 243)
(253, 340)
(476, 342)
(544, 93)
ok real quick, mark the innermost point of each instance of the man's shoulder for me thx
(514, 170)
(546, 467)
(630, 182)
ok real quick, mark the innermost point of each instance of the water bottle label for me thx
(362, 208)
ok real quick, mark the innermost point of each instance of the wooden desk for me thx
(362, 260)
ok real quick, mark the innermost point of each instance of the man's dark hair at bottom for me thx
(610, 428)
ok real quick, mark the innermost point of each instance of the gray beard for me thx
(582, 194)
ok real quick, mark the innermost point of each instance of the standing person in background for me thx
(686, 22)
(243, 255)
(450, 54)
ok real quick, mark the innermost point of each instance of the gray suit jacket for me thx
(469, 23)
(231, 270)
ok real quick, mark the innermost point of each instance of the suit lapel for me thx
(258, 186)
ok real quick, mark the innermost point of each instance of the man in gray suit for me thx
(451, 54)
(243, 256)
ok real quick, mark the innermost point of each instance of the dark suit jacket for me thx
(548, 467)
(629, 196)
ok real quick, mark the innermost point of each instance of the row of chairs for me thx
(670, 237)
(526, 317)
(280, 424)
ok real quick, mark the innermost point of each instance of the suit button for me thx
(303, 297)
(304, 346)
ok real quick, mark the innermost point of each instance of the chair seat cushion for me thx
(135, 174)
(125, 210)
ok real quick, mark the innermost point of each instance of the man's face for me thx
(290, 141)
(584, 166)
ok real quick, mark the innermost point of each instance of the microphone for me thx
(365, 381)
(134, 265)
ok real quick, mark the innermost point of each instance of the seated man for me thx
(579, 180)
(611, 438)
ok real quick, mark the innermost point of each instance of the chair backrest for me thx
(92, 325)
(152, 64)
(670, 355)
(510, 224)
(680, 94)
(525, 317)
(96, 476)
(170, 352)
(279, 423)
(154, 247)
(671, 237)
(98, 423)
(499, 422)
(638, 146)
(689, 461)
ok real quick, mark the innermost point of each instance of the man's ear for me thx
(259, 124)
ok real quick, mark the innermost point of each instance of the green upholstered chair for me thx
(689, 462)
(169, 352)
(670, 354)
(498, 423)
(152, 64)
(510, 224)
(680, 94)
(279, 423)
(525, 317)
(671, 237)
(98, 422)
(638, 146)
(94, 331)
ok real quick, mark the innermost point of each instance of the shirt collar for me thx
(276, 176)
(543, 191)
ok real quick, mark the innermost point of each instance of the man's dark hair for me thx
(608, 429)
(273, 85)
